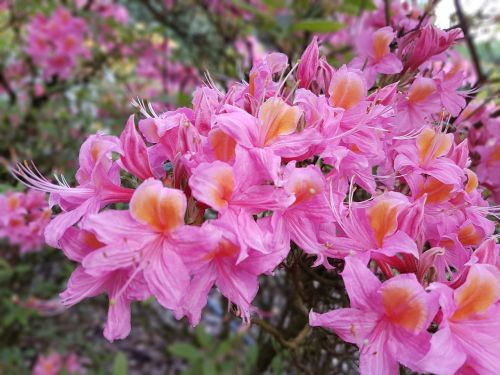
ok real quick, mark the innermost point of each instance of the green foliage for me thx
(318, 26)
(207, 357)
(355, 7)
(120, 364)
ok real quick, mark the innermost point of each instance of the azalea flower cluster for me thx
(57, 364)
(56, 43)
(361, 164)
(24, 218)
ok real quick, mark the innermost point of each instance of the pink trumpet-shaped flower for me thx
(347, 88)
(145, 239)
(276, 128)
(379, 228)
(48, 365)
(246, 184)
(245, 250)
(307, 211)
(467, 339)
(119, 285)
(99, 179)
(134, 158)
(309, 63)
(374, 54)
(387, 321)
(418, 46)
(429, 155)
(24, 218)
(421, 100)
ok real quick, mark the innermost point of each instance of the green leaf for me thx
(209, 367)
(252, 355)
(355, 6)
(120, 364)
(228, 345)
(185, 351)
(203, 338)
(318, 26)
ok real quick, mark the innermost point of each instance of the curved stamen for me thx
(31, 177)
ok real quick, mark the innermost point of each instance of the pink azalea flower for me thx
(48, 365)
(134, 158)
(24, 218)
(377, 228)
(488, 167)
(466, 339)
(244, 251)
(242, 185)
(387, 321)
(347, 88)
(275, 128)
(421, 100)
(261, 85)
(302, 219)
(374, 54)
(99, 179)
(452, 99)
(309, 63)
(57, 42)
(487, 253)
(428, 155)
(73, 365)
(121, 286)
(145, 239)
(418, 46)
(56, 364)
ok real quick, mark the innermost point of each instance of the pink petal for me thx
(167, 278)
(361, 284)
(351, 325)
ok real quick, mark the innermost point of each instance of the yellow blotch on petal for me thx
(278, 118)
(432, 145)
(305, 190)
(421, 90)
(251, 83)
(89, 239)
(95, 150)
(161, 208)
(437, 192)
(223, 187)
(224, 249)
(472, 181)
(13, 202)
(383, 219)
(494, 157)
(404, 307)
(223, 145)
(381, 42)
(469, 235)
(480, 291)
(347, 90)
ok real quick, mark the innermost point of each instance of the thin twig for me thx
(292, 344)
(470, 44)
(387, 11)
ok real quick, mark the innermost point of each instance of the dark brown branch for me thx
(387, 11)
(481, 78)
(292, 344)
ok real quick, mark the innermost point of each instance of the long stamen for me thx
(143, 108)
(282, 84)
(31, 177)
(411, 135)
